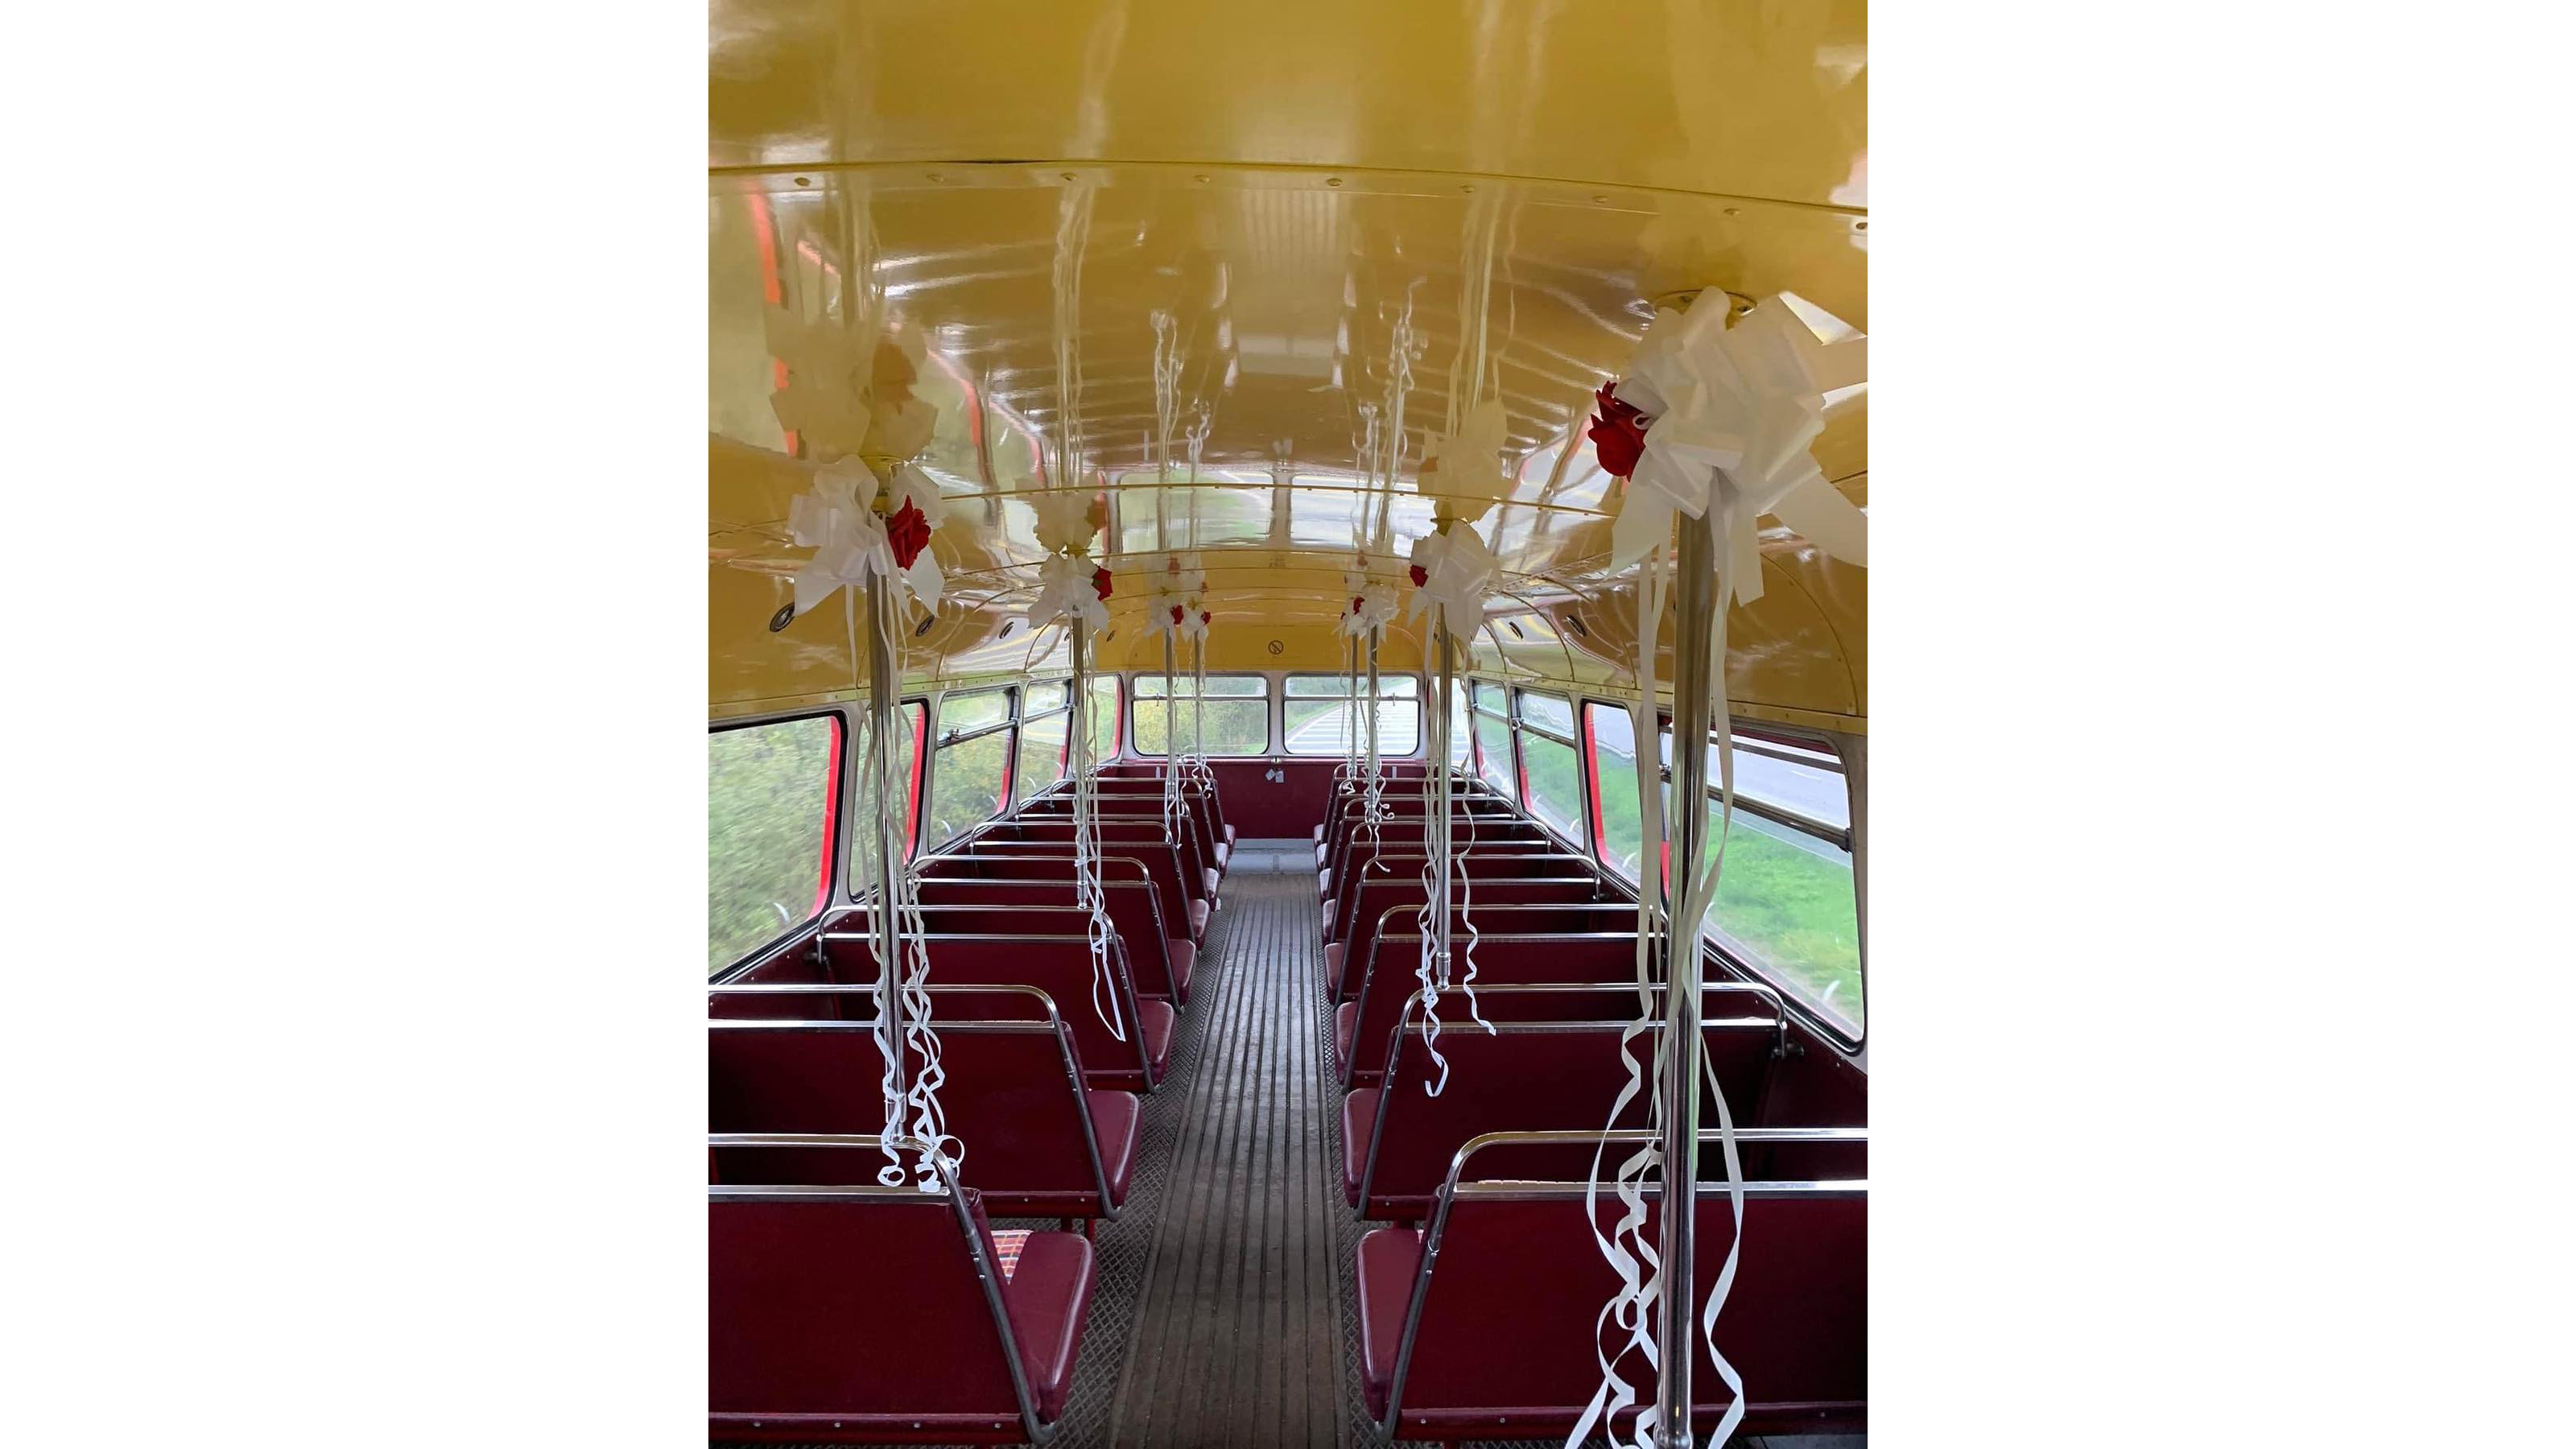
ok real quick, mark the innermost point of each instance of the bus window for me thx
(970, 772)
(909, 719)
(1237, 708)
(1494, 740)
(1548, 761)
(1318, 718)
(770, 789)
(1047, 714)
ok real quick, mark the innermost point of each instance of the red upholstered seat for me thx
(1198, 920)
(1359, 1121)
(1229, 836)
(1182, 955)
(1224, 853)
(1346, 1018)
(1049, 1297)
(1113, 1129)
(1333, 954)
(1157, 1018)
(1389, 1260)
(1212, 880)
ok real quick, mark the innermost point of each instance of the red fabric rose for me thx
(909, 532)
(1100, 582)
(1355, 606)
(1618, 434)
(1176, 613)
(1421, 576)
(1205, 617)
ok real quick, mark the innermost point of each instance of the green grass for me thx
(766, 785)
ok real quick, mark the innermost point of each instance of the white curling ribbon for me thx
(1065, 592)
(1731, 415)
(1458, 571)
(838, 520)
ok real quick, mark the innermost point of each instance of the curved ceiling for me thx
(1296, 189)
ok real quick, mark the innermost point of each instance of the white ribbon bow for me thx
(1457, 569)
(1065, 591)
(1466, 466)
(1731, 414)
(1167, 612)
(838, 520)
(848, 389)
(1194, 622)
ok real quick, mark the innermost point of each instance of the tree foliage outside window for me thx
(1494, 741)
(966, 780)
(768, 789)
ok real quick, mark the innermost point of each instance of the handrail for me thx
(987, 1273)
(1125, 984)
(1451, 1188)
(1054, 1024)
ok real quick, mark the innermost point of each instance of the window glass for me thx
(1041, 753)
(1320, 717)
(1462, 735)
(1104, 716)
(1044, 697)
(1614, 772)
(1547, 712)
(1817, 793)
(965, 713)
(1785, 904)
(966, 781)
(1555, 784)
(907, 773)
(1494, 754)
(769, 792)
(1236, 719)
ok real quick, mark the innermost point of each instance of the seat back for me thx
(1498, 1331)
(1505, 957)
(1528, 1076)
(1136, 807)
(1144, 837)
(1013, 1095)
(868, 1309)
(1482, 823)
(1396, 881)
(1134, 908)
(1513, 915)
(1112, 1052)
(1022, 861)
(1160, 861)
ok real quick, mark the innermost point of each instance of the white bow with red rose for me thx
(850, 539)
(1730, 414)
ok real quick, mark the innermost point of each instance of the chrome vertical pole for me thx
(883, 683)
(1441, 793)
(1373, 767)
(1686, 824)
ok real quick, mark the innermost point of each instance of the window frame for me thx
(1585, 805)
(1476, 706)
(1271, 701)
(1011, 800)
(1420, 699)
(832, 862)
(1009, 724)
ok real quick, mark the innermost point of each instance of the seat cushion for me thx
(1319, 835)
(1333, 967)
(1211, 879)
(1198, 920)
(1113, 1127)
(1156, 1017)
(1346, 1020)
(1321, 850)
(1224, 853)
(1229, 835)
(1359, 1123)
(1183, 955)
(1329, 903)
(1389, 1260)
(1049, 1296)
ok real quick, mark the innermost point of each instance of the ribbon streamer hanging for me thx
(1716, 425)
